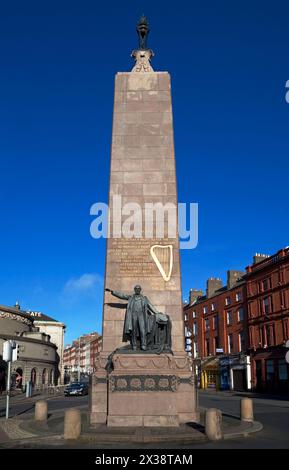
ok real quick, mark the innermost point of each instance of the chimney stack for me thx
(232, 277)
(213, 284)
(259, 257)
(194, 295)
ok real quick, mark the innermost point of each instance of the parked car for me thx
(76, 388)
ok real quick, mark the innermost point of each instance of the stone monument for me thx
(143, 377)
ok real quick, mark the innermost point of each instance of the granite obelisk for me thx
(143, 389)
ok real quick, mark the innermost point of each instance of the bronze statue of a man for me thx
(141, 319)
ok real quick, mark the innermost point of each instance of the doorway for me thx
(259, 375)
(239, 380)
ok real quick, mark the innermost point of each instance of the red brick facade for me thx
(82, 353)
(218, 320)
(95, 347)
(268, 321)
(249, 317)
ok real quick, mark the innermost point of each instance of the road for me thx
(22, 406)
(272, 413)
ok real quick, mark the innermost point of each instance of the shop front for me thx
(270, 371)
(210, 374)
(235, 372)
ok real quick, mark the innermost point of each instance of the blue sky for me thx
(229, 65)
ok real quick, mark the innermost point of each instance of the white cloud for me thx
(83, 285)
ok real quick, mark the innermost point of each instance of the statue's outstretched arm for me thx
(119, 295)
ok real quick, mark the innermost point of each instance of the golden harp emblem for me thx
(163, 257)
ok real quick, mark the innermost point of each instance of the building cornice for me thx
(23, 339)
(12, 314)
(49, 323)
(276, 259)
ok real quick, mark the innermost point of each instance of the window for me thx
(229, 317)
(215, 322)
(207, 325)
(194, 313)
(282, 299)
(270, 335)
(280, 277)
(230, 343)
(213, 307)
(238, 297)
(195, 328)
(270, 370)
(266, 284)
(240, 314)
(261, 337)
(266, 305)
(186, 317)
(205, 309)
(196, 349)
(282, 370)
(250, 307)
(228, 301)
(241, 341)
(207, 347)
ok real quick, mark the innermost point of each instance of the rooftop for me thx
(39, 316)
(268, 260)
(220, 291)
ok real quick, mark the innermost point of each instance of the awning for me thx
(211, 363)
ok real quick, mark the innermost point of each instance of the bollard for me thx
(213, 424)
(246, 410)
(41, 410)
(72, 424)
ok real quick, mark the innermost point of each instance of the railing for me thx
(49, 389)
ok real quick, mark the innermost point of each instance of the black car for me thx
(76, 388)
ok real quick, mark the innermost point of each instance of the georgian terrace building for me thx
(216, 332)
(38, 359)
(267, 284)
(238, 333)
(82, 354)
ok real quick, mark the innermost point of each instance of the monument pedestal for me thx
(144, 390)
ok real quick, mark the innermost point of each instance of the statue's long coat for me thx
(147, 308)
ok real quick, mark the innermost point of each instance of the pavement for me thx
(262, 396)
(21, 431)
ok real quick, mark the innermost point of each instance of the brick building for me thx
(80, 356)
(267, 282)
(95, 347)
(216, 331)
(237, 333)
